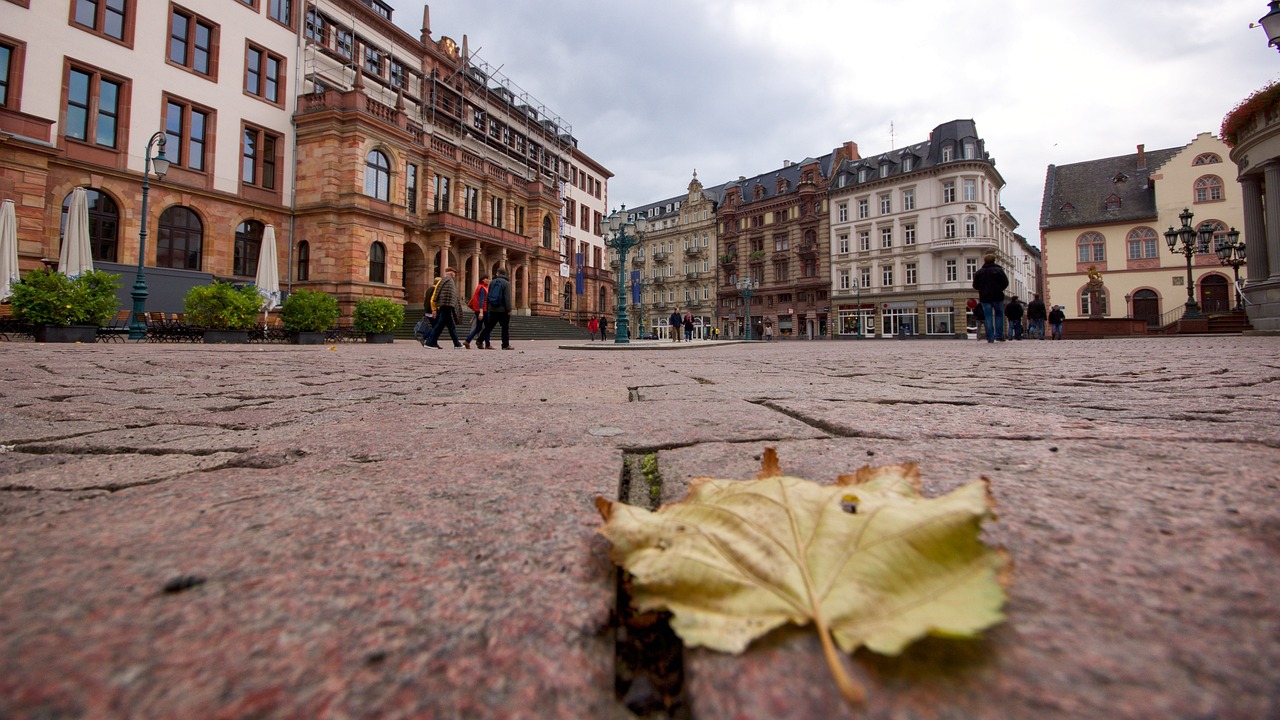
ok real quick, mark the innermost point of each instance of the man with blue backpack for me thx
(497, 311)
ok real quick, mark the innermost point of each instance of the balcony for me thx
(660, 256)
(657, 281)
(728, 259)
(638, 260)
(808, 251)
(692, 276)
(963, 243)
(694, 251)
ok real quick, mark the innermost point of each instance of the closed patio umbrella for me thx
(76, 257)
(8, 249)
(267, 281)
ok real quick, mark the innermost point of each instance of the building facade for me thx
(773, 232)
(379, 158)
(1253, 130)
(1111, 215)
(909, 229)
(674, 266)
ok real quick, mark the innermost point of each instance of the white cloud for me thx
(734, 87)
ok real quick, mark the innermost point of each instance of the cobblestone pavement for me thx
(394, 532)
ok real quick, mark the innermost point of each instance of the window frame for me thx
(178, 146)
(1147, 245)
(303, 261)
(1208, 189)
(378, 263)
(105, 246)
(128, 17)
(260, 161)
(247, 248)
(379, 174)
(11, 77)
(264, 79)
(194, 20)
(88, 148)
(273, 12)
(165, 234)
(1096, 245)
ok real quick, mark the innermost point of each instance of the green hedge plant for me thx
(309, 311)
(222, 306)
(47, 297)
(377, 315)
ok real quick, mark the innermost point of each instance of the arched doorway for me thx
(1146, 306)
(415, 274)
(1214, 295)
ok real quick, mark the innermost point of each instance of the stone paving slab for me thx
(391, 531)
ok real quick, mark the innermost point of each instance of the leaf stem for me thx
(851, 689)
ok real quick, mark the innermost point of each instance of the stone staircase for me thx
(523, 327)
(1229, 323)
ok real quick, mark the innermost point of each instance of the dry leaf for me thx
(868, 561)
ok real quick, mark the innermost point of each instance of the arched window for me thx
(546, 232)
(1206, 159)
(1085, 310)
(603, 302)
(1208, 188)
(568, 296)
(546, 290)
(948, 228)
(248, 247)
(377, 176)
(1143, 244)
(104, 224)
(304, 261)
(378, 263)
(1091, 248)
(971, 226)
(180, 242)
(1219, 235)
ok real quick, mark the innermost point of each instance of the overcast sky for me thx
(656, 88)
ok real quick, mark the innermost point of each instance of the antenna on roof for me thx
(891, 145)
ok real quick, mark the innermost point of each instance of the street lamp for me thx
(1231, 252)
(138, 326)
(1271, 23)
(1193, 241)
(745, 288)
(622, 235)
(857, 323)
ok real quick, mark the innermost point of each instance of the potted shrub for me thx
(307, 314)
(377, 318)
(64, 309)
(226, 312)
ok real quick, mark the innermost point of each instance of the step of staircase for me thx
(523, 327)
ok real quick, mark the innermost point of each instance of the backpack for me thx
(498, 296)
(421, 328)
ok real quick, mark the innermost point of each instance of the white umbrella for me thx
(8, 249)
(76, 258)
(268, 278)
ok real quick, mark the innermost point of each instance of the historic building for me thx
(1253, 131)
(1112, 214)
(773, 234)
(379, 158)
(674, 266)
(89, 87)
(909, 228)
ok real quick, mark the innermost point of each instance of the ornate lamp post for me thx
(1271, 23)
(857, 323)
(622, 235)
(137, 326)
(745, 288)
(1231, 252)
(1193, 241)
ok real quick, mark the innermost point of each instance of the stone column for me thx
(1272, 192)
(1255, 230)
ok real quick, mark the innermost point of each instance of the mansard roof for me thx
(1077, 194)
(925, 155)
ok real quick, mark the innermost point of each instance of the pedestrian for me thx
(975, 316)
(604, 327)
(593, 326)
(688, 327)
(1036, 316)
(675, 322)
(479, 299)
(1014, 311)
(448, 305)
(768, 331)
(498, 310)
(990, 282)
(1056, 316)
(428, 320)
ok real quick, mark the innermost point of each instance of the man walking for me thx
(991, 282)
(498, 311)
(1056, 318)
(479, 299)
(1014, 312)
(1036, 316)
(448, 308)
(604, 327)
(676, 323)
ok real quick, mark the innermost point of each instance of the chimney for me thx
(1142, 157)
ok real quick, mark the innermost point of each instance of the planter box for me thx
(66, 333)
(379, 338)
(226, 337)
(307, 338)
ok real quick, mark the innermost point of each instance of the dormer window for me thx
(1119, 178)
(908, 163)
(884, 170)
(862, 174)
(782, 185)
(759, 192)
(948, 153)
(1066, 207)
(1113, 202)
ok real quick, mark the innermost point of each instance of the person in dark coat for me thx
(991, 282)
(498, 311)
(1035, 318)
(448, 309)
(1014, 312)
(675, 322)
(1056, 318)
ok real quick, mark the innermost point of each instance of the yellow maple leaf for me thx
(868, 560)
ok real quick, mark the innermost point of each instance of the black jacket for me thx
(1035, 310)
(1013, 310)
(990, 282)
